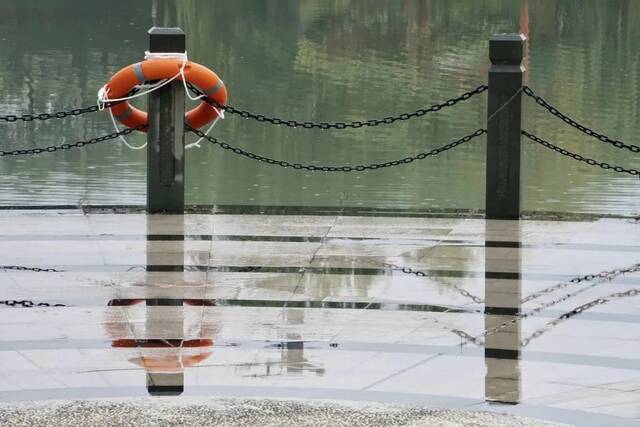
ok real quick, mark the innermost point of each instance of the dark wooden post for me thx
(504, 126)
(165, 150)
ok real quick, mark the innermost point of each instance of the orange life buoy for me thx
(200, 76)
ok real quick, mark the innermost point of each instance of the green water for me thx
(328, 60)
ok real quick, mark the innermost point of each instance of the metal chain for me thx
(343, 125)
(461, 291)
(29, 117)
(580, 309)
(54, 148)
(468, 338)
(601, 278)
(462, 334)
(578, 157)
(346, 168)
(46, 116)
(606, 275)
(28, 304)
(23, 268)
(571, 122)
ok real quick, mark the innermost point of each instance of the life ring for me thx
(200, 76)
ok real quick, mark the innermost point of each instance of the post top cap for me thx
(507, 48)
(167, 39)
(509, 37)
(166, 31)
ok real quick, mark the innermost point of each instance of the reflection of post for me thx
(165, 313)
(294, 350)
(502, 305)
(154, 13)
(292, 356)
(164, 13)
(165, 383)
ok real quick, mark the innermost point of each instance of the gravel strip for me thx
(243, 412)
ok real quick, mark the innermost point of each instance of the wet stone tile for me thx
(310, 304)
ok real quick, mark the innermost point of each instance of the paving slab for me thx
(430, 312)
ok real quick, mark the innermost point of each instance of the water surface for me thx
(330, 60)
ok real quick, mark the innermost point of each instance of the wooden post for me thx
(504, 126)
(165, 150)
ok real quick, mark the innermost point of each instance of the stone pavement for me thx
(312, 307)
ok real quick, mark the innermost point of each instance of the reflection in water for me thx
(165, 356)
(292, 360)
(175, 332)
(292, 356)
(165, 374)
(502, 305)
(172, 331)
(168, 349)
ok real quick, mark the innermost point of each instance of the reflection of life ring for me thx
(163, 355)
(200, 76)
(123, 302)
(173, 355)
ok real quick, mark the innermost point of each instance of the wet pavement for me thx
(464, 314)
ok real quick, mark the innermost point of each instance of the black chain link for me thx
(346, 168)
(23, 268)
(29, 117)
(571, 122)
(466, 337)
(28, 304)
(343, 125)
(46, 116)
(54, 148)
(578, 157)
(600, 278)
(580, 309)
(605, 276)
(418, 273)
(597, 279)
